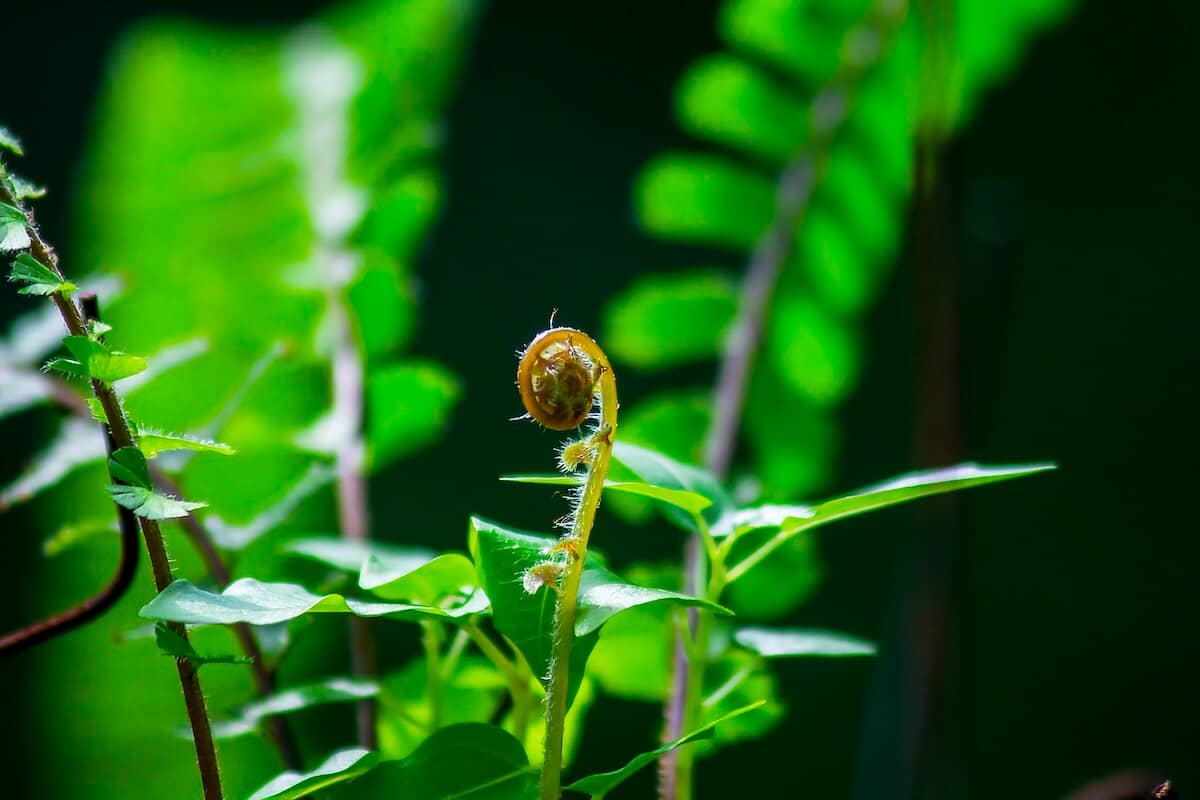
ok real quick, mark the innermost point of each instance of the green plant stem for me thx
(160, 563)
(558, 686)
(431, 641)
(519, 676)
(827, 114)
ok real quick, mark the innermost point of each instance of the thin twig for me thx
(353, 509)
(58, 624)
(792, 196)
(160, 563)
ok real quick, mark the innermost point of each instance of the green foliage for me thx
(10, 142)
(37, 277)
(174, 645)
(525, 612)
(778, 643)
(136, 491)
(344, 765)
(601, 784)
(93, 359)
(248, 718)
(260, 603)
(13, 235)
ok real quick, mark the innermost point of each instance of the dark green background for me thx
(1073, 213)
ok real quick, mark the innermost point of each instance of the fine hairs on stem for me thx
(563, 376)
(122, 436)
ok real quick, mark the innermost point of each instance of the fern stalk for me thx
(795, 189)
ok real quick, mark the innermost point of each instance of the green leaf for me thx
(136, 492)
(814, 353)
(344, 765)
(787, 35)
(470, 760)
(503, 556)
(69, 536)
(78, 442)
(790, 642)
(172, 644)
(473, 693)
(24, 190)
(93, 359)
(37, 277)
(658, 470)
(732, 681)
(911, 486)
(704, 199)
(248, 718)
(604, 782)
(408, 405)
(696, 307)
(725, 100)
(13, 233)
(153, 442)
(447, 575)
(9, 142)
(383, 300)
(688, 501)
(350, 556)
(781, 583)
(238, 537)
(260, 603)
(148, 504)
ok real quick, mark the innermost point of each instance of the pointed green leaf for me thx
(93, 359)
(791, 642)
(344, 765)
(249, 717)
(77, 443)
(350, 556)
(37, 277)
(691, 502)
(172, 644)
(9, 142)
(658, 470)
(408, 406)
(473, 761)
(604, 782)
(704, 200)
(154, 442)
(260, 603)
(128, 464)
(149, 504)
(696, 307)
(727, 101)
(13, 233)
(447, 575)
(502, 558)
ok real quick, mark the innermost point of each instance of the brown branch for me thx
(864, 45)
(46, 629)
(122, 436)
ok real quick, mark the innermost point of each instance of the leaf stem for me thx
(431, 642)
(160, 563)
(558, 688)
(794, 191)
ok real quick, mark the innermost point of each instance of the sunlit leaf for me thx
(137, 493)
(679, 498)
(727, 101)
(37, 278)
(249, 717)
(13, 235)
(260, 603)
(153, 442)
(604, 782)
(344, 765)
(446, 575)
(407, 407)
(349, 555)
(78, 442)
(791, 642)
(658, 470)
(696, 307)
(504, 555)
(704, 199)
(9, 142)
(93, 359)
(468, 760)
(172, 644)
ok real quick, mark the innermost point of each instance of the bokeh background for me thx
(1057, 612)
